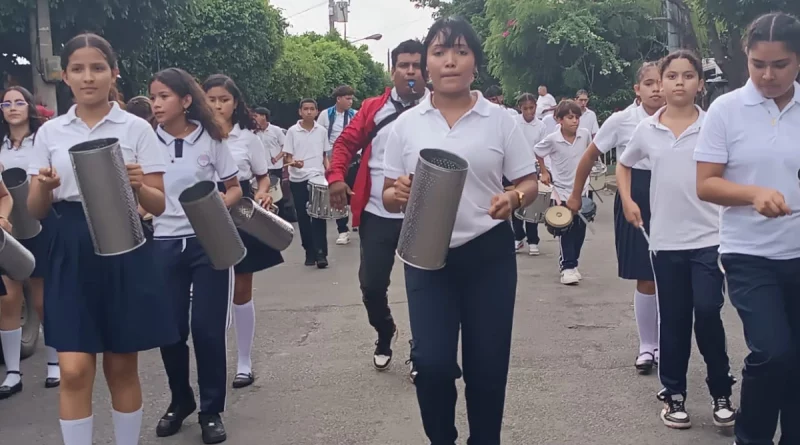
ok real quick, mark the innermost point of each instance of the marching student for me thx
(534, 131)
(588, 117)
(747, 162)
(684, 239)
(494, 94)
(633, 256)
(565, 147)
(545, 103)
(273, 137)
(196, 151)
(475, 297)
(306, 148)
(19, 122)
(379, 229)
(248, 152)
(142, 107)
(97, 305)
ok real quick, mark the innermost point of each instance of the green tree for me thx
(298, 73)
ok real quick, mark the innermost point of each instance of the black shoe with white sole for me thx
(674, 413)
(382, 357)
(7, 391)
(724, 413)
(645, 362)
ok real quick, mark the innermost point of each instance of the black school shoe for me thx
(311, 260)
(172, 421)
(213, 428)
(322, 261)
(8, 391)
(243, 380)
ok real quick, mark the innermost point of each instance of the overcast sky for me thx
(397, 20)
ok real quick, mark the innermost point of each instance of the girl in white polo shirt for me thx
(747, 161)
(534, 131)
(475, 297)
(19, 121)
(97, 305)
(195, 149)
(248, 152)
(633, 261)
(684, 239)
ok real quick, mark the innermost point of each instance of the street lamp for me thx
(372, 37)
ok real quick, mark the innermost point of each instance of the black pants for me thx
(524, 230)
(313, 231)
(186, 266)
(689, 284)
(475, 292)
(571, 243)
(766, 293)
(379, 238)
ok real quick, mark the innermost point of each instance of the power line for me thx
(308, 9)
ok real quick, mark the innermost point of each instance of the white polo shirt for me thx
(248, 152)
(273, 140)
(589, 121)
(534, 132)
(309, 147)
(338, 123)
(550, 124)
(375, 203)
(680, 220)
(56, 136)
(564, 157)
(195, 158)
(759, 145)
(617, 131)
(16, 157)
(486, 137)
(543, 103)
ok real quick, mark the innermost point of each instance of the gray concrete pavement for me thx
(571, 381)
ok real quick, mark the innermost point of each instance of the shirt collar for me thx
(396, 97)
(116, 115)
(6, 142)
(236, 131)
(655, 120)
(303, 130)
(534, 122)
(752, 96)
(560, 136)
(482, 106)
(192, 138)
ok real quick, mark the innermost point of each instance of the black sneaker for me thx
(322, 261)
(724, 413)
(674, 413)
(311, 260)
(213, 428)
(382, 357)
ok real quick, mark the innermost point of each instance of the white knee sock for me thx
(53, 372)
(646, 309)
(12, 343)
(127, 427)
(245, 319)
(77, 432)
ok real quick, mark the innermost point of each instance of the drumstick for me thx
(586, 221)
(595, 192)
(646, 238)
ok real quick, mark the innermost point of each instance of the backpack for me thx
(348, 115)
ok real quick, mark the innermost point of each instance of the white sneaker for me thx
(344, 238)
(578, 274)
(518, 245)
(533, 250)
(569, 276)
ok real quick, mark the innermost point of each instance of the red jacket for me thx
(355, 137)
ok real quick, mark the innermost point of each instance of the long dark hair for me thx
(451, 28)
(183, 84)
(34, 120)
(241, 114)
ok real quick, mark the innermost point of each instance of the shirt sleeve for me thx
(224, 163)
(608, 135)
(543, 148)
(393, 165)
(288, 143)
(150, 153)
(280, 137)
(712, 142)
(517, 159)
(258, 156)
(322, 119)
(327, 145)
(595, 126)
(636, 150)
(40, 152)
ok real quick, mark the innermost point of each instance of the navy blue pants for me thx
(766, 293)
(571, 243)
(187, 265)
(313, 231)
(689, 284)
(475, 292)
(524, 230)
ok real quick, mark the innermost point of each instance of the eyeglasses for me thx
(17, 103)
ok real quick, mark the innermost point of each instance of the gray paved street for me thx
(571, 380)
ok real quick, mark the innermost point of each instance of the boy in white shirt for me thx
(305, 146)
(545, 104)
(588, 117)
(565, 148)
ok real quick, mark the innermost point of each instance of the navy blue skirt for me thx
(97, 304)
(40, 246)
(259, 255)
(633, 254)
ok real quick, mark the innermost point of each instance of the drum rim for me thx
(562, 208)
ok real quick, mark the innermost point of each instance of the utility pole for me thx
(673, 16)
(44, 66)
(331, 16)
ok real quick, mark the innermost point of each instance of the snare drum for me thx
(534, 212)
(275, 188)
(557, 219)
(597, 179)
(588, 208)
(319, 201)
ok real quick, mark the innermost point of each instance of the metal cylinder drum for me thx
(213, 225)
(263, 225)
(430, 214)
(24, 226)
(16, 262)
(108, 199)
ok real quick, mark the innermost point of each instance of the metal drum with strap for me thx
(588, 208)
(534, 212)
(319, 201)
(597, 178)
(557, 220)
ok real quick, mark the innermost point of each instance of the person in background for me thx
(494, 94)
(633, 256)
(306, 147)
(565, 147)
(545, 104)
(141, 106)
(45, 114)
(747, 162)
(273, 137)
(335, 119)
(588, 117)
(379, 228)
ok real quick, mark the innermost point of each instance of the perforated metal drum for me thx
(588, 208)
(275, 188)
(557, 219)
(319, 201)
(534, 212)
(597, 179)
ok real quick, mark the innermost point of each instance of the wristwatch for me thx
(520, 196)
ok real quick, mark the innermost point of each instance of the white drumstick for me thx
(586, 221)
(646, 237)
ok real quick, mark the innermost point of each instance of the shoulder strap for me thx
(331, 120)
(399, 109)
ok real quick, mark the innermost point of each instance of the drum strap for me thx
(352, 171)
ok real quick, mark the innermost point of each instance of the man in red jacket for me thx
(379, 230)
